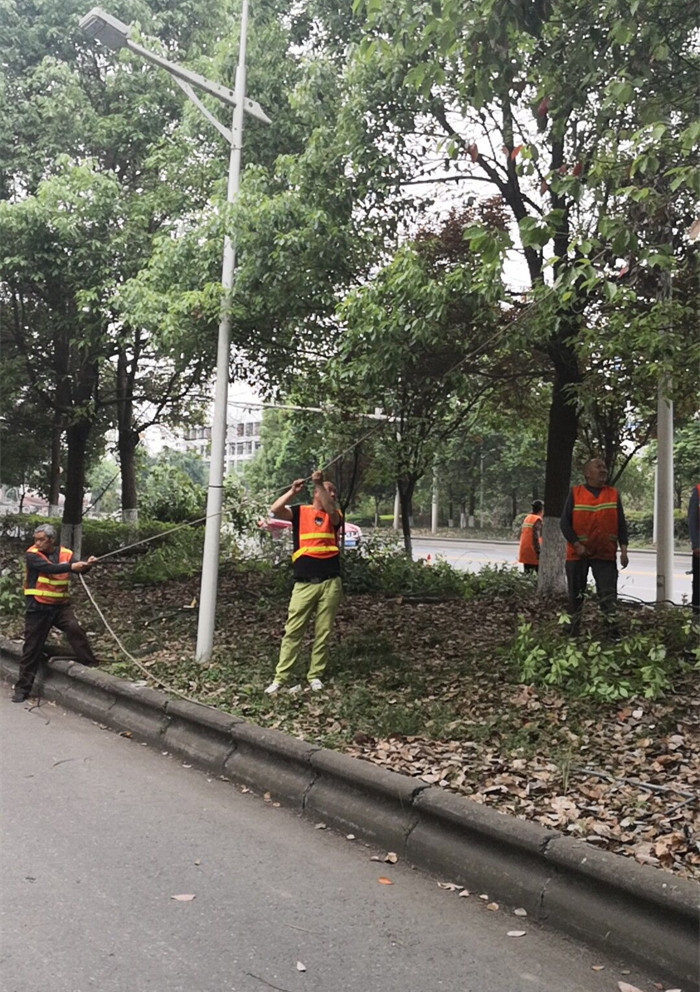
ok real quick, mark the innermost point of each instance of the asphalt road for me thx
(637, 581)
(100, 832)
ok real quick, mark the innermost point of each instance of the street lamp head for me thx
(105, 28)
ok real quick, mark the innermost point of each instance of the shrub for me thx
(384, 568)
(178, 557)
(646, 662)
(11, 595)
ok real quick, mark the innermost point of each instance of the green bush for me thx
(99, 536)
(11, 595)
(385, 569)
(646, 662)
(179, 556)
(640, 525)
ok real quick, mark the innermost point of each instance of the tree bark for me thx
(561, 438)
(406, 487)
(55, 467)
(71, 528)
(127, 443)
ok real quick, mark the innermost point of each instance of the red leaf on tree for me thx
(514, 153)
(473, 152)
(543, 107)
(578, 169)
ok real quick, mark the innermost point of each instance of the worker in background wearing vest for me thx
(531, 538)
(593, 523)
(317, 584)
(47, 596)
(694, 531)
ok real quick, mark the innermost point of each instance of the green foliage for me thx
(641, 525)
(99, 537)
(171, 495)
(382, 568)
(11, 595)
(179, 558)
(645, 662)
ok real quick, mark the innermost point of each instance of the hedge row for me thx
(99, 536)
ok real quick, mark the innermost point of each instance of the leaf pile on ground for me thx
(426, 689)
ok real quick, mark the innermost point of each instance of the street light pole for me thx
(212, 532)
(115, 34)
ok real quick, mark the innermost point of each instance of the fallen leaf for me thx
(482, 896)
(300, 966)
(320, 826)
(350, 837)
(520, 912)
(516, 933)
(492, 907)
(375, 857)
(450, 886)
(597, 967)
(391, 858)
(626, 987)
(464, 893)
(384, 881)
(183, 898)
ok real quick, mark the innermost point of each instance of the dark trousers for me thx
(605, 576)
(696, 584)
(37, 625)
(530, 568)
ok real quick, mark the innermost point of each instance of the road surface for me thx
(100, 832)
(637, 581)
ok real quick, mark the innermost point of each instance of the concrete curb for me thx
(642, 913)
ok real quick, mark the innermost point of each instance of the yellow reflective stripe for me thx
(53, 582)
(45, 592)
(592, 509)
(529, 525)
(317, 533)
(310, 550)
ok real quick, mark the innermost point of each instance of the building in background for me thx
(242, 437)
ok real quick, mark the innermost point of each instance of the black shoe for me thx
(19, 697)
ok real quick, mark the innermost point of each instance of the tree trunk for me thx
(406, 487)
(127, 444)
(561, 437)
(71, 528)
(55, 468)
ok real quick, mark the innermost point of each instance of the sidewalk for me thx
(642, 913)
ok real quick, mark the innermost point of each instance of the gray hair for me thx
(48, 529)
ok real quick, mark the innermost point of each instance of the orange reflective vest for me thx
(527, 554)
(594, 521)
(49, 589)
(317, 537)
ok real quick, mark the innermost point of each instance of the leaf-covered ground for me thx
(427, 689)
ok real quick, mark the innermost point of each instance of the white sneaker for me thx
(273, 688)
(315, 685)
(294, 689)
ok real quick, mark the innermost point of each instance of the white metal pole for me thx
(664, 509)
(397, 508)
(212, 533)
(435, 504)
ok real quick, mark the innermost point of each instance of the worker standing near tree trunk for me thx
(317, 584)
(48, 569)
(531, 538)
(593, 523)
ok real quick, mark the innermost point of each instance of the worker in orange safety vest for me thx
(531, 538)
(593, 523)
(47, 572)
(317, 584)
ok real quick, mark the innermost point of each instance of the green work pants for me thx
(325, 598)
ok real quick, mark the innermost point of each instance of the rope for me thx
(135, 661)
